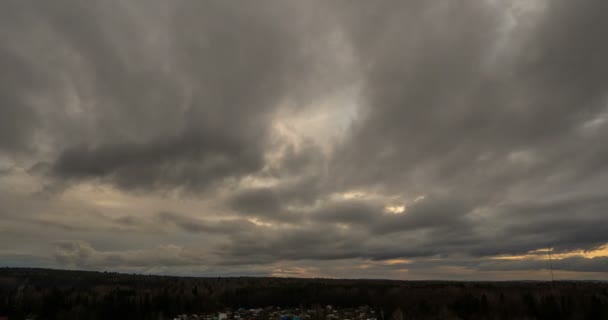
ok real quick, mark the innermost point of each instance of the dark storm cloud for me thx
(188, 161)
(169, 95)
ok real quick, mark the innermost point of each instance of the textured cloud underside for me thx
(403, 139)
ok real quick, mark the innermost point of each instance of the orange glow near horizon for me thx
(543, 254)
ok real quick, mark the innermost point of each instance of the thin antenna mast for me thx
(551, 264)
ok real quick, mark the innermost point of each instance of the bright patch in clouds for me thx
(396, 209)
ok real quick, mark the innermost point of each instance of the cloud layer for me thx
(401, 139)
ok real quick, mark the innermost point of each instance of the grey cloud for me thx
(82, 254)
(318, 242)
(352, 212)
(18, 118)
(432, 212)
(436, 106)
(573, 222)
(435, 226)
(260, 201)
(300, 184)
(580, 264)
(165, 96)
(226, 226)
(445, 113)
(127, 220)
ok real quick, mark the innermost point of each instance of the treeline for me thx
(60, 294)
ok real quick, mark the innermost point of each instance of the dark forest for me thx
(59, 294)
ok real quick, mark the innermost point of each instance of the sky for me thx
(405, 139)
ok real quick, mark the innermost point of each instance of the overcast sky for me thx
(406, 139)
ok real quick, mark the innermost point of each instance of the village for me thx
(275, 313)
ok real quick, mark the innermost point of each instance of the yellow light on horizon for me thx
(543, 254)
(396, 261)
